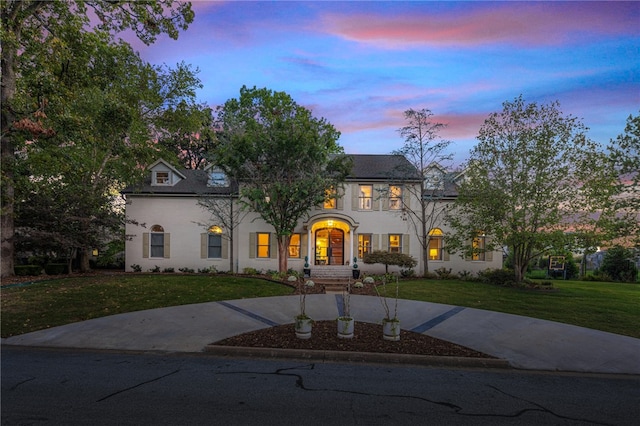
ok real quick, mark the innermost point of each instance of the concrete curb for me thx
(363, 357)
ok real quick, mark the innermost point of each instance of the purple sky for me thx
(361, 64)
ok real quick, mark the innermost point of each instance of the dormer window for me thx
(161, 178)
(218, 178)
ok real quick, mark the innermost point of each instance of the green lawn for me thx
(603, 306)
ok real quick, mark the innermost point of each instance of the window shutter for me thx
(376, 197)
(488, 256)
(273, 246)
(252, 245)
(375, 242)
(304, 242)
(406, 198)
(385, 203)
(355, 189)
(145, 245)
(204, 245)
(225, 247)
(167, 245)
(340, 199)
(405, 244)
(445, 254)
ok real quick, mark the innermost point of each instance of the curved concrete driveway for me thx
(524, 342)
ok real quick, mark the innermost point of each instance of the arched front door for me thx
(329, 246)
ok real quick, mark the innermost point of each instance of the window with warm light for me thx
(214, 242)
(330, 201)
(435, 244)
(365, 198)
(395, 243)
(395, 197)
(294, 246)
(263, 243)
(364, 245)
(478, 245)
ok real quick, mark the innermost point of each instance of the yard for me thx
(611, 307)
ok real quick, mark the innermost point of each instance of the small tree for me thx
(284, 158)
(619, 265)
(386, 258)
(425, 149)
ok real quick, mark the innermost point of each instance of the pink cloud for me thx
(539, 23)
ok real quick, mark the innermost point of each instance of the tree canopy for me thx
(70, 104)
(285, 159)
(523, 176)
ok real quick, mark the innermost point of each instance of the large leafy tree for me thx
(285, 159)
(103, 107)
(33, 29)
(528, 167)
(187, 134)
(425, 149)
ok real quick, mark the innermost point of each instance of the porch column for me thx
(352, 244)
(311, 257)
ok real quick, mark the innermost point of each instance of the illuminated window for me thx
(364, 244)
(294, 246)
(263, 240)
(214, 243)
(366, 197)
(161, 178)
(478, 245)
(395, 197)
(330, 199)
(395, 243)
(157, 241)
(435, 244)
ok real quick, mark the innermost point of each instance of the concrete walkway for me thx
(524, 342)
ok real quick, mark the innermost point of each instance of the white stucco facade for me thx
(167, 228)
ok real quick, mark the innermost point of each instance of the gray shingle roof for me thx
(365, 168)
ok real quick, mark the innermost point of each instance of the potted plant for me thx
(306, 271)
(345, 320)
(390, 323)
(355, 271)
(303, 323)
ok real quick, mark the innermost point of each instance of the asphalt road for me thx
(72, 387)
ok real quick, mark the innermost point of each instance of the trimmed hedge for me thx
(24, 270)
(56, 268)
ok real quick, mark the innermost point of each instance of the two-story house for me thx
(168, 227)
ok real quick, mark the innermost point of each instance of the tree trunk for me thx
(283, 245)
(84, 264)
(7, 158)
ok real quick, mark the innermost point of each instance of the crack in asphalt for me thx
(137, 386)
(299, 382)
(14, 387)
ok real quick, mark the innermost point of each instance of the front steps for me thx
(333, 278)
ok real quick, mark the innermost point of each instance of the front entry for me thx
(329, 246)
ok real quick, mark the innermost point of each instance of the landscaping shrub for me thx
(501, 277)
(186, 270)
(23, 270)
(56, 268)
(444, 273)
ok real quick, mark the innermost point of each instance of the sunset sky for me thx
(361, 64)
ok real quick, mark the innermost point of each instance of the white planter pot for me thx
(345, 327)
(391, 330)
(303, 328)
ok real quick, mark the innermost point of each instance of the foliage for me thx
(619, 265)
(56, 268)
(187, 133)
(136, 268)
(284, 158)
(28, 270)
(522, 181)
(501, 277)
(43, 42)
(387, 258)
(425, 149)
(444, 273)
